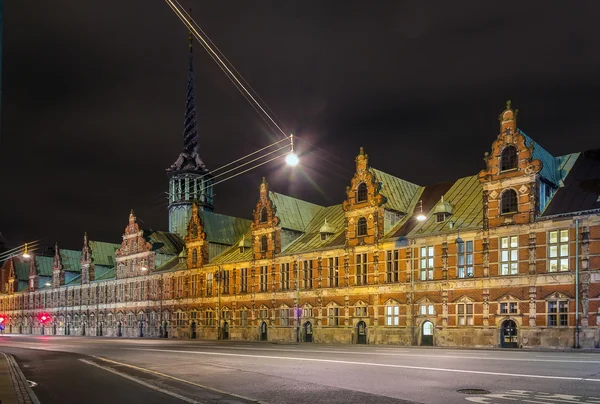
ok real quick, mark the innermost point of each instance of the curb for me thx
(25, 394)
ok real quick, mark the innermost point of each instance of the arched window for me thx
(264, 215)
(263, 244)
(361, 193)
(361, 227)
(195, 256)
(509, 203)
(508, 159)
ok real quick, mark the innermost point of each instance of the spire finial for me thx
(190, 125)
(191, 37)
(508, 102)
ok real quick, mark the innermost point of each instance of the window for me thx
(361, 193)
(509, 203)
(426, 273)
(440, 217)
(263, 313)
(558, 250)
(284, 317)
(244, 317)
(264, 244)
(210, 317)
(509, 257)
(333, 272)
(465, 313)
(194, 286)
(508, 158)
(307, 274)
(333, 318)
(391, 266)
(285, 276)
(426, 309)
(360, 311)
(225, 314)
(209, 284)
(225, 282)
(465, 259)
(180, 319)
(263, 280)
(194, 256)
(558, 313)
(180, 283)
(361, 227)
(509, 308)
(361, 269)
(264, 215)
(392, 315)
(307, 312)
(244, 280)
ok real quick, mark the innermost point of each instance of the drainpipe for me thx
(577, 283)
(412, 292)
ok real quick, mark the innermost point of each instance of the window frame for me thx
(512, 261)
(264, 243)
(264, 215)
(392, 265)
(503, 203)
(465, 267)
(392, 315)
(513, 159)
(333, 272)
(426, 262)
(468, 318)
(558, 316)
(361, 227)
(559, 244)
(333, 316)
(361, 266)
(362, 193)
(284, 281)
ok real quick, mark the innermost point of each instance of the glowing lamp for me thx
(291, 159)
(25, 253)
(421, 217)
(1, 320)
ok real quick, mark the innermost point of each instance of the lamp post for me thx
(297, 263)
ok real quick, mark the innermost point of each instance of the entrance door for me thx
(141, 329)
(427, 334)
(361, 332)
(119, 330)
(308, 332)
(54, 329)
(83, 329)
(508, 334)
(225, 330)
(263, 331)
(193, 329)
(100, 330)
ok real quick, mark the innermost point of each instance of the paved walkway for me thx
(14, 388)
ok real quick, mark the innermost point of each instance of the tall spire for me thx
(190, 124)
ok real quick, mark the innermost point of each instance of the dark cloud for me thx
(93, 96)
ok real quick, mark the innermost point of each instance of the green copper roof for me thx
(549, 163)
(466, 198)
(223, 229)
(295, 214)
(311, 239)
(565, 163)
(399, 193)
(105, 274)
(234, 254)
(103, 253)
(164, 242)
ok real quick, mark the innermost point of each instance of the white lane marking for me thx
(370, 353)
(385, 365)
(143, 383)
(567, 357)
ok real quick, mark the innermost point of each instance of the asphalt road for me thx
(206, 371)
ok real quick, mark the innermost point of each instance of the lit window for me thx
(360, 311)
(361, 193)
(465, 313)
(426, 267)
(426, 310)
(361, 269)
(558, 313)
(465, 259)
(508, 159)
(509, 255)
(392, 315)
(361, 227)
(558, 250)
(509, 202)
(333, 318)
(508, 308)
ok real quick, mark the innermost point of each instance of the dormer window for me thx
(442, 211)
(264, 215)
(440, 217)
(361, 227)
(509, 202)
(508, 159)
(264, 244)
(361, 193)
(326, 231)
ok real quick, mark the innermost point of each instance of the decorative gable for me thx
(33, 275)
(87, 262)
(363, 206)
(266, 232)
(135, 256)
(58, 275)
(196, 241)
(510, 177)
(11, 277)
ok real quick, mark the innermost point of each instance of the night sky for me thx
(94, 93)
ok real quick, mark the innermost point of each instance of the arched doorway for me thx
(119, 329)
(141, 329)
(308, 332)
(225, 330)
(68, 329)
(83, 329)
(263, 331)
(427, 334)
(166, 329)
(193, 329)
(361, 332)
(508, 334)
(100, 329)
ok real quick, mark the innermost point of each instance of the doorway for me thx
(193, 329)
(508, 334)
(308, 332)
(83, 329)
(119, 330)
(361, 333)
(263, 331)
(427, 334)
(225, 330)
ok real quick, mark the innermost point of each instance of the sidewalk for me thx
(14, 388)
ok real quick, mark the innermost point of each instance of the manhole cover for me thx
(473, 391)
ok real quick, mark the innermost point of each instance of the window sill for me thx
(509, 170)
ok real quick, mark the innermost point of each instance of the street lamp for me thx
(292, 159)
(421, 216)
(25, 253)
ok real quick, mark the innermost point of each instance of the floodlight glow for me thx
(421, 217)
(291, 159)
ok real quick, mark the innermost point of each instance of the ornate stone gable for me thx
(196, 241)
(510, 177)
(58, 275)
(135, 255)
(363, 206)
(33, 275)
(87, 262)
(266, 233)
(11, 276)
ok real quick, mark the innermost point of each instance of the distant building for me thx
(509, 257)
